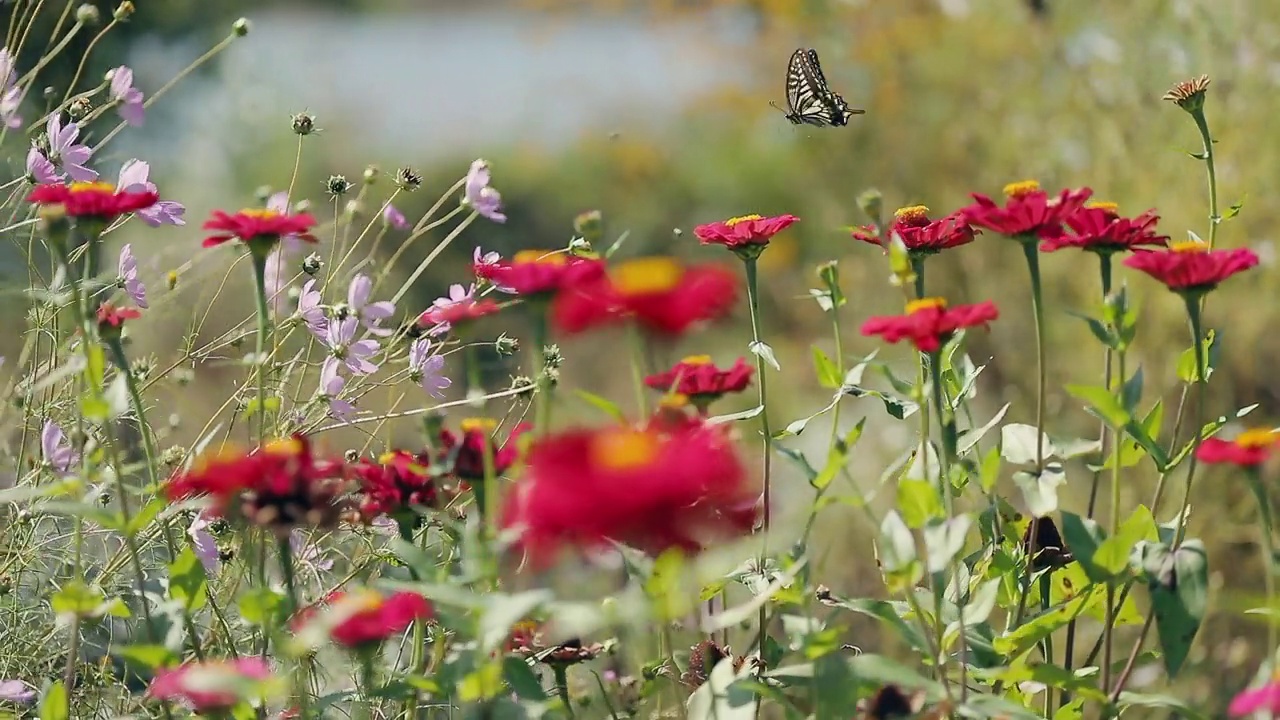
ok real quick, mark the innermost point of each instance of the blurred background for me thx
(657, 113)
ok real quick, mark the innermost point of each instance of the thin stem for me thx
(1104, 271)
(1108, 630)
(1214, 219)
(562, 686)
(946, 420)
(917, 269)
(1266, 543)
(264, 323)
(637, 368)
(753, 303)
(1030, 249)
(1197, 420)
(542, 393)
(84, 59)
(302, 683)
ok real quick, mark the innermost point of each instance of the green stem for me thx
(1203, 126)
(1108, 630)
(1197, 420)
(917, 269)
(562, 686)
(946, 420)
(1266, 538)
(302, 684)
(264, 324)
(1032, 253)
(368, 682)
(637, 369)
(753, 304)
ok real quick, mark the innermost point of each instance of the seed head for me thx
(1189, 94)
(312, 264)
(173, 455)
(88, 14)
(589, 225)
(123, 11)
(506, 345)
(408, 179)
(303, 123)
(336, 185)
(551, 356)
(351, 455)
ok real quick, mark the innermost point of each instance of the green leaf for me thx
(1180, 709)
(76, 599)
(261, 606)
(989, 473)
(1113, 554)
(797, 457)
(897, 407)
(719, 699)
(1099, 329)
(1083, 537)
(53, 706)
(503, 611)
(735, 417)
(521, 678)
(970, 437)
(897, 546)
(605, 405)
(94, 409)
(1178, 583)
(1040, 490)
(1018, 444)
(188, 583)
(828, 374)
(884, 611)
(145, 516)
(148, 658)
(919, 502)
(483, 683)
(1101, 403)
(1131, 392)
(944, 540)
(95, 368)
(1187, 360)
(1235, 209)
(1032, 632)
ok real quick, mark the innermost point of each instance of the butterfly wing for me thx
(807, 94)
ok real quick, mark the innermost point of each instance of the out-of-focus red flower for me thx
(1027, 211)
(928, 323)
(738, 232)
(210, 686)
(1250, 449)
(1191, 267)
(468, 463)
(258, 228)
(683, 487)
(456, 314)
(280, 486)
(1252, 701)
(97, 200)
(1101, 230)
(921, 235)
(394, 485)
(539, 272)
(697, 378)
(528, 640)
(657, 292)
(364, 619)
(111, 318)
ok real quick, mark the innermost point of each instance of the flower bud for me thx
(312, 264)
(353, 209)
(303, 205)
(123, 11)
(337, 185)
(506, 345)
(171, 279)
(408, 179)
(371, 174)
(589, 225)
(262, 193)
(551, 356)
(303, 123)
(173, 455)
(88, 14)
(79, 108)
(351, 455)
(871, 203)
(240, 27)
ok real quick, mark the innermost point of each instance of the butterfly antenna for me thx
(775, 107)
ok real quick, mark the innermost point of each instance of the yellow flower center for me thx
(363, 601)
(1259, 438)
(102, 187)
(674, 401)
(260, 213)
(745, 218)
(647, 275)
(480, 425)
(1023, 187)
(696, 360)
(624, 449)
(911, 213)
(525, 257)
(283, 446)
(386, 457)
(1189, 246)
(1103, 205)
(916, 306)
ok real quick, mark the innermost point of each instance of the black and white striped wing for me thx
(810, 100)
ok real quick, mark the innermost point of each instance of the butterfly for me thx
(809, 100)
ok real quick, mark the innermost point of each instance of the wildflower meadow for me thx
(406, 507)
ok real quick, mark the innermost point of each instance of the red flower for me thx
(1190, 267)
(657, 292)
(393, 485)
(364, 619)
(258, 227)
(741, 231)
(701, 381)
(929, 323)
(1027, 211)
(210, 686)
(1101, 230)
(280, 486)
(1251, 448)
(921, 235)
(97, 200)
(111, 317)
(468, 463)
(539, 272)
(440, 319)
(683, 487)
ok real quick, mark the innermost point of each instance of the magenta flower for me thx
(371, 314)
(311, 310)
(480, 261)
(129, 276)
(65, 153)
(16, 691)
(331, 386)
(482, 198)
(10, 102)
(340, 336)
(40, 170)
(129, 97)
(204, 544)
(57, 449)
(426, 369)
(391, 217)
(457, 296)
(1255, 700)
(133, 178)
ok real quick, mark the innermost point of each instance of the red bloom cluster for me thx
(653, 489)
(258, 227)
(921, 235)
(394, 485)
(539, 272)
(467, 449)
(363, 620)
(1101, 230)
(739, 232)
(281, 486)
(697, 378)
(1250, 449)
(1028, 210)
(1191, 267)
(211, 686)
(928, 323)
(97, 200)
(657, 292)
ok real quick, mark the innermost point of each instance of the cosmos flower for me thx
(128, 267)
(311, 310)
(17, 692)
(477, 193)
(65, 153)
(57, 450)
(426, 369)
(354, 354)
(133, 178)
(928, 323)
(370, 314)
(204, 544)
(331, 386)
(393, 218)
(39, 169)
(10, 103)
(122, 91)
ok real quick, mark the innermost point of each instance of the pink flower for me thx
(130, 98)
(211, 686)
(1255, 700)
(392, 217)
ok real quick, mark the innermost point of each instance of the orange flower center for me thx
(1023, 187)
(1103, 205)
(526, 257)
(744, 218)
(480, 425)
(260, 213)
(647, 275)
(696, 360)
(1256, 439)
(916, 306)
(97, 187)
(1189, 246)
(912, 213)
(623, 449)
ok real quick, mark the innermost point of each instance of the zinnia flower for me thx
(650, 490)
(1028, 211)
(261, 229)
(928, 323)
(740, 232)
(1265, 698)
(111, 319)
(919, 234)
(364, 619)
(477, 193)
(1250, 449)
(1101, 230)
(458, 307)
(65, 153)
(657, 292)
(211, 686)
(128, 267)
(394, 485)
(697, 378)
(1191, 267)
(540, 273)
(94, 200)
(468, 449)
